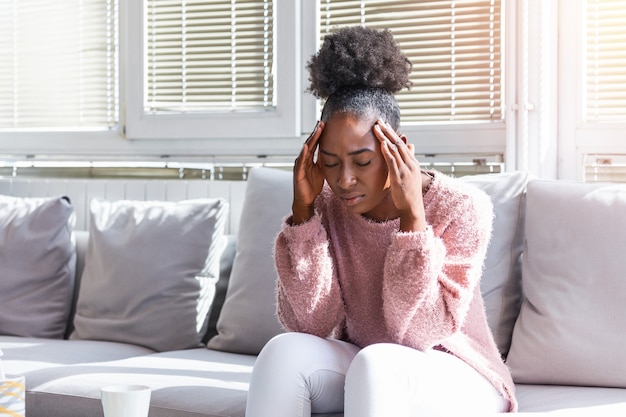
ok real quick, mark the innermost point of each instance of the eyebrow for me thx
(357, 152)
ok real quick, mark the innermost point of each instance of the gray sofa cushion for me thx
(570, 330)
(566, 401)
(150, 272)
(37, 266)
(186, 383)
(248, 318)
(501, 283)
(25, 355)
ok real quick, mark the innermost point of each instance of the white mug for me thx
(125, 400)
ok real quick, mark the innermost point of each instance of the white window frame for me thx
(275, 134)
(430, 138)
(281, 122)
(188, 136)
(532, 104)
(577, 138)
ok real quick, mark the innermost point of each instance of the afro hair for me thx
(358, 57)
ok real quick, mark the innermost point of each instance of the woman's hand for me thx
(308, 179)
(405, 177)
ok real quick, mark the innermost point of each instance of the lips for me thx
(352, 199)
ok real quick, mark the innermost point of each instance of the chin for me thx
(358, 209)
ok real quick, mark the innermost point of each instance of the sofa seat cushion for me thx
(563, 400)
(189, 383)
(24, 355)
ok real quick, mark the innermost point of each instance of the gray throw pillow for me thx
(37, 266)
(501, 283)
(150, 272)
(248, 318)
(570, 330)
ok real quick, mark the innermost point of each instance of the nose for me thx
(346, 178)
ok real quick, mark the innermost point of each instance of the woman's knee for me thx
(415, 380)
(380, 361)
(286, 342)
(285, 348)
(305, 351)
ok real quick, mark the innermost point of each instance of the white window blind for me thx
(206, 55)
(58, 65)
(455, 48)
(605, 66)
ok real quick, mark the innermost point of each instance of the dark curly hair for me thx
(358, 70)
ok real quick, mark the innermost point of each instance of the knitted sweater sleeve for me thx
(308, 294)
(430, 276)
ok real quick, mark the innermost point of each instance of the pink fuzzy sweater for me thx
(344, 276)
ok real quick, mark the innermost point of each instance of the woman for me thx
(379, 263)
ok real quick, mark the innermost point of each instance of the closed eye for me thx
(363, 164)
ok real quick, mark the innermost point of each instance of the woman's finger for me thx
(390, 154)
(388, 147)
(311, 142)
(382, 136)
(394, 158)
(305, 154)
(395, 144)
(313, 132)
(314, 137)
(405, 151)
(386, 132)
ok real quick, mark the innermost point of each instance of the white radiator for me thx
(81, 191)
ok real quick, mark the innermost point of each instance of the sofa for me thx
(171, 295)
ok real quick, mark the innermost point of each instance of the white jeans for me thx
(297, 374)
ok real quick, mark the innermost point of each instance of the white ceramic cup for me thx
(125, 400)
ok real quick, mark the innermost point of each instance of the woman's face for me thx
(351, 161)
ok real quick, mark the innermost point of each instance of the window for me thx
(139, 71)
(59, 64)
(456, 100)
(592, 110)
(209, 56)
(604, 91)
(200, 79)
(455, 48)
(213, 69)
(84, 79)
